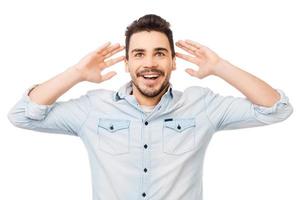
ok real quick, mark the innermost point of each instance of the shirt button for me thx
(146, 123)
(145, 146)
(144, 194)
(145, 170)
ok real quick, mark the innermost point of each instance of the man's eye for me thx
(160, 54)
(138, 55)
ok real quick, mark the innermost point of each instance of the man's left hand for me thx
(207, 60)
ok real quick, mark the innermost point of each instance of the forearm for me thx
(255, 89)
(48, 92)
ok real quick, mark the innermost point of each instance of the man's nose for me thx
(150, 62)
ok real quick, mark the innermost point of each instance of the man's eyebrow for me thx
(137, 50)
(143, 50)
(161, 49)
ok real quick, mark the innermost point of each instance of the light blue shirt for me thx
(138, 156)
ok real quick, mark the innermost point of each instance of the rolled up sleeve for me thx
(235, 112)
(280, 111)
(65, 117)
(33, 110)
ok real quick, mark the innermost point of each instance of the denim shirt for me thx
(138, 156)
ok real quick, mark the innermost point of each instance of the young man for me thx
(147, 141)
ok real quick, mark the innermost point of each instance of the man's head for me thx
(150, 54)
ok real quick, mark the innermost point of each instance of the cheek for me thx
(168, 65)
(132, 70)
(133, 66)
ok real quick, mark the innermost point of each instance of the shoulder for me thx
(103, 94)
(196, 92)
(191, 95)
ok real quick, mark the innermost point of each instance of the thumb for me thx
(191, 72)
(108, 75)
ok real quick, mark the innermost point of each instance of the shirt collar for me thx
(126, 90)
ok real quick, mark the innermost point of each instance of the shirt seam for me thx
(87, 116)
(211, 123)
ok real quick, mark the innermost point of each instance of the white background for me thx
(40, 39)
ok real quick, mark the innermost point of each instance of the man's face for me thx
(150, 62)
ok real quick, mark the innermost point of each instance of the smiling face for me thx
(149, 63)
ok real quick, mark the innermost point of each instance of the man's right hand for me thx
(91, 66)
(88, 69)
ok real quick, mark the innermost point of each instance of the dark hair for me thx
(149, 23)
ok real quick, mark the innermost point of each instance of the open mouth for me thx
(151, 76)
(150, 79)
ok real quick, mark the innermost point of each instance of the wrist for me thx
(220, 67)
(76, 74)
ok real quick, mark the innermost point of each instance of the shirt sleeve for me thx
(234, 112)
(64, 117)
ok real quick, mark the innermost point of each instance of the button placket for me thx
(145, 158)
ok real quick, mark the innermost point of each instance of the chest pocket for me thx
(178, 136)
(113, 136)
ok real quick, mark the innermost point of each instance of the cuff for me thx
(282, 102)
(33, 110)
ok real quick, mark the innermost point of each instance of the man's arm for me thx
(88, 69)
(38, 110)
(264, 105)
(255, 89)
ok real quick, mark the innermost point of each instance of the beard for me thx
(151, 91)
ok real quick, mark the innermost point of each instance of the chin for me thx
(151, 93)
(152, 90)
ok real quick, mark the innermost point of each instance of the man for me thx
(147, 141)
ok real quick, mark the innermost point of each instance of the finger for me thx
(195, 44)
(198, 52)
(187, 58)
(109, 49)
(114, 52)
(108, 75)
(182, 43)
(201, 49)
(186, 49)
(191, 72)
(114, 61)
(102, 47)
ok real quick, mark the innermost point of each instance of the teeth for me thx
(151, 76)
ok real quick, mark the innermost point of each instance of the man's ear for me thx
(174, 64)
(126, 65)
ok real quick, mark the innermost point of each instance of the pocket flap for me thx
(113, 125)
(180, 125)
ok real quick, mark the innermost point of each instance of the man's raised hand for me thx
(207, 60)
(91, 66)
